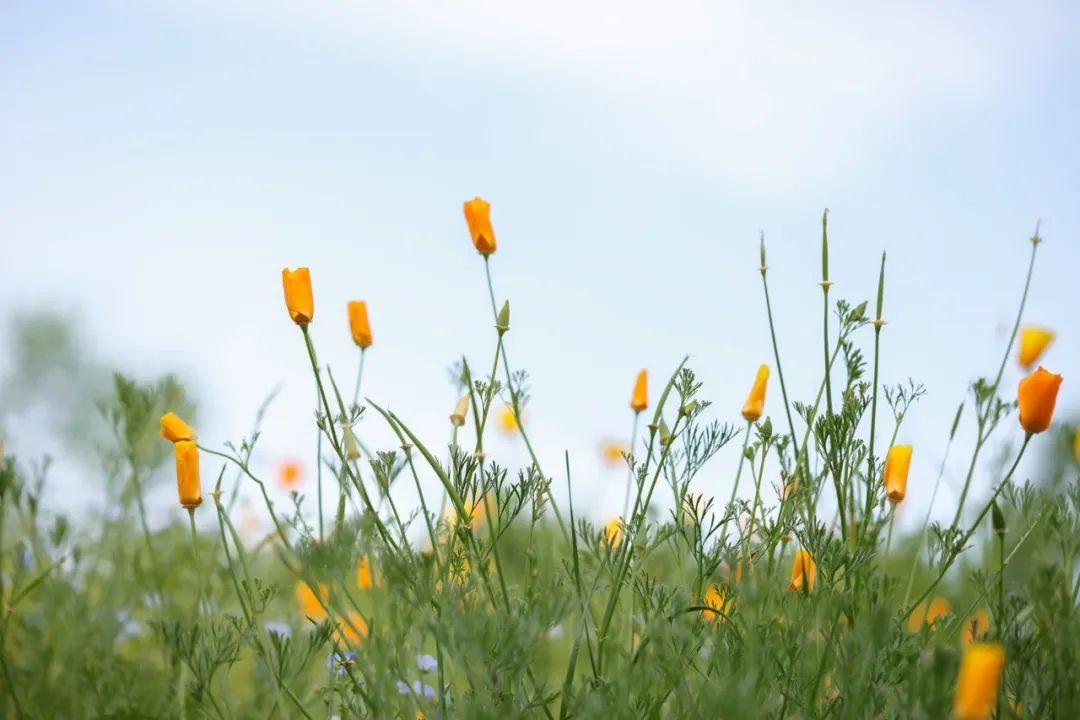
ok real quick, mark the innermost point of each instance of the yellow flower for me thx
(352, 629)
(298, 298)
(188, 485)
(613, 532)
(803, 571)
(923, 615)
(457, 418)
(174, 429)
(613, 452)
(1037, 395)
(363, 574)
(1033, 341)
(478, 217)
(896, 472)
(639, 399)
(475, 512)
(312, 605)
(290, 474)
(508, 421)
(755, 402)
(717, 598)
(975, 626)
(978, 680)
(358, 323)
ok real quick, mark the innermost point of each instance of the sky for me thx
(161, 161)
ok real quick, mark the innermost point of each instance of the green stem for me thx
(779, 367)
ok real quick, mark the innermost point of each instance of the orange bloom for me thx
(716, 598)
(358, 323)
(975, 626)
(1037, 395)
(923, 615)
(613, 452)
(803, 571)
(1033, 341)
(188, 485)
(478, 216)
(174, 429)
(755, 402)
(978, 681)
(290, 474)
(613, 532)
(312, 605)
(639, 399)
(298, 298)
(896, 472)
(351, 630)
(363, 574)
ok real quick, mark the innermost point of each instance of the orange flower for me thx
(298, 299)
(922, 615)
(174, 429)
(312, 605)
(978, 681)
(508, 420)
(475, 510)
(613, 452)
(290, 474)
(803, 571)
(188, 485)
(363, 574)
(715, 598)
(351, 630)
(1037, 395)
(478, 216)
(1033, 341)
(896, 472)
(358, 323)
(975, 626)
(639, 399)
(755, 402)
(613, 532)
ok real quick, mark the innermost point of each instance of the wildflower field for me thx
(783, 590)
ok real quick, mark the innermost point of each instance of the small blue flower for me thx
(426, 663)
(402, 687)
(278, 628)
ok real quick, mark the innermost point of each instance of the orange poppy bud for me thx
(174, 429)
(755, 402)
(187, 474)
(1037, 395)
(358, 323)
(639, 400)
(298, 299)
(1033, 341)
(613, 532)
(896, 472)
(978, 680)
(478, 216)
(363, 574)
(923, 615)
(312, 605)
(803, 571)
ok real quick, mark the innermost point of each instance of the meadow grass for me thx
(797, 598)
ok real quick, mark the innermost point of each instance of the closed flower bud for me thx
(755, 402)
(502, 322)
(298, 298)
(364, 578)
(803, 571)
(688, 409)
(457, 418)
(997, 518)
(665, 433)
(358, 323)
(174, 429)
(639, 399)
(978, 681)
(896, 472)
(352, 445)
(1037, 395)
(1033, 341)
(188, 485)
(478, 217)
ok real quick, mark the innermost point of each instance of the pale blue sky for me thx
(160, 162)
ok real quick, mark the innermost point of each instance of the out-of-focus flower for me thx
(174, 429)
(639, 398)
(475, 512)
(351, 629)
(312, 605)
(457, 418)
(897, 464)
(924, 614)
(613, 532)
(716, 598)
(358, 323)
(613, 452)
(755, 401)
(1033, 342)
(978, 681)
(508, 420)
(278, 628)
(1037, 395)
(426, 663)
(188, 483)
(336, 661)
(975, 627)
(803, 571)
(298, 298)
(290, 474)
(363, 574)
(418, 689)
(352, 445)
(478, 217)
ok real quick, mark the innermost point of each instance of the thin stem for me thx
(738, 473)
(198, 564)
(776, 356)
(630, 468)
(359, 376)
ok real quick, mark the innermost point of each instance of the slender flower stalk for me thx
(776, 348)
